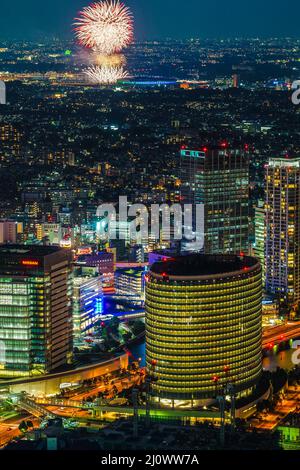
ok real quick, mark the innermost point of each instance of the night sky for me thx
(32, 19)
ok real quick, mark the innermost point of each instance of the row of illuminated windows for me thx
(24, 313)
(200, 337)
(156, 312)
(25, 301)
(237, 292)
(231, 278)
(14, 323)
(14, 300)
(213, 301)
(210, 345)
(208, 322)
(201, 379)
(198, 302)
(216, 284)
(14, 289)
(168, 353)
(206, 303)
(185, 323)
(197, 332)
(221, 309)
(199, 286)
(202, 359)
(205, 368)
(191, 329)
(25, 280)
(15, 335)
(14, 355)
(210, 297)
(216, 342)
(242, 374)
(14, 316)
(17, 344)
(208, 289)
(191, 388)
(250, 353)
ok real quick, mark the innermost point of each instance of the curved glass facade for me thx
(202, 326)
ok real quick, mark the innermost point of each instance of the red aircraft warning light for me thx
(224, 144)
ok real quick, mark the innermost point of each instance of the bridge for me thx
(276, 335)
(32, 407)
(98, 409)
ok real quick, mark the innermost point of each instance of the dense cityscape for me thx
(124, 332)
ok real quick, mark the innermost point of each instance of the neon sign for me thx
(29, 262)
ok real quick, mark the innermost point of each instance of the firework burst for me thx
(114, 60)
(105, 75)
(105, 26)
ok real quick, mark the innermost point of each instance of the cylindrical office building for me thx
(203, 325)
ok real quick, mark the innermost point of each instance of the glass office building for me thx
(218, 178)
(283, 229)
(203, 321)
(87, 300)
(259, 227)
(130, 285)
(35, 309)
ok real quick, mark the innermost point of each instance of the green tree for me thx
(23, 426)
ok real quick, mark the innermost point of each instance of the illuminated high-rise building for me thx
(203, 321)
(87, 299)
(283, 229)
(8, 231)
(53, 232)
(130, 284)
(218, 178)
(259, 226)
(137, 254)
(104, 261)
(35, 309)
(235, 80)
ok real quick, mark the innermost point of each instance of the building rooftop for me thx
(286, 161)
(28, 250)
(203, 265)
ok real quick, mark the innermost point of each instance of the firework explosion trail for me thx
(105, 75)
(106, 26)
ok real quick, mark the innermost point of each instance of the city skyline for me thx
(149, 227)
(213, 19)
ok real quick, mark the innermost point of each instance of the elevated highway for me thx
(276, 335)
